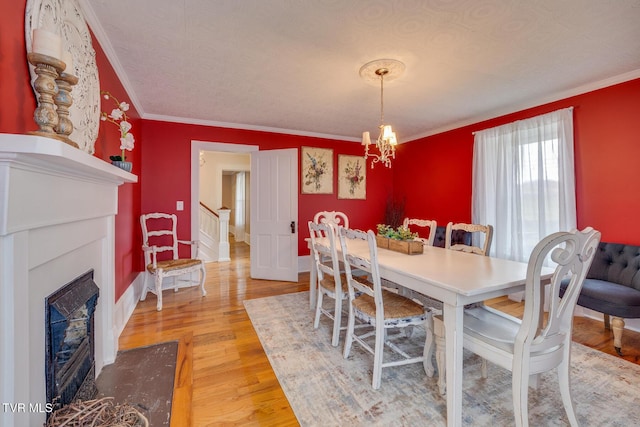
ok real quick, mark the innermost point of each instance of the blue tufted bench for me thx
(612, 286)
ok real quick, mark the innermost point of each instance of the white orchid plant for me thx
(118, 117)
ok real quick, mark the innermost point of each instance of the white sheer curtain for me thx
(524, 182)
(240, 202)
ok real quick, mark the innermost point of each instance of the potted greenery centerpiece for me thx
(118, 117)
(399, 239)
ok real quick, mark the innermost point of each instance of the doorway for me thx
(274, 210)
(212, 165)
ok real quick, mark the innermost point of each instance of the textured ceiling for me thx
(292, 65)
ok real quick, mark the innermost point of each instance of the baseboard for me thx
(125, 305)
(304, 263)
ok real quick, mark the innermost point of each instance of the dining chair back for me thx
(437, 324)
(375, 307)
(160, 246)
(537, 343)
(482, 247)
(431, 224)
(334, 218)
(330, 281)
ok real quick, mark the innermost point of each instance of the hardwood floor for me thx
(223, 376)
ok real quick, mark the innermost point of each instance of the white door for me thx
(274, 215)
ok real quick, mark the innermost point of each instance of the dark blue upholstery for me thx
(612, 285)
(457, 237)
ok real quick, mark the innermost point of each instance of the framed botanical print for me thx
(352, 177)
(317, 170)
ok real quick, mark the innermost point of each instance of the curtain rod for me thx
(566, 108)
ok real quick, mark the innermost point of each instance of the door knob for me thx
(293, 227)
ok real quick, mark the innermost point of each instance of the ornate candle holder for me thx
(63, 101)
(47, 69)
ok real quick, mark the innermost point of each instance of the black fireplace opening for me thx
(69, 324)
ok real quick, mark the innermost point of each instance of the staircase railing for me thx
(214, 233)
(209, 222)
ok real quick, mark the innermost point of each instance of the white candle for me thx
(67, 58)
(47, 43)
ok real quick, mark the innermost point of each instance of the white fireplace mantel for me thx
(57, 220)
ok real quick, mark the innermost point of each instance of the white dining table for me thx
(457, 279)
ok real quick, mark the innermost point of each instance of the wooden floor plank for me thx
(224, 377)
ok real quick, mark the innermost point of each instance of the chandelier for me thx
(387, 139)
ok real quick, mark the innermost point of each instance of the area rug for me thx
(324, 389)
(143, 378)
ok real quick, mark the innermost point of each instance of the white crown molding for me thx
(611, 81)
(108, 50)
(189, 121)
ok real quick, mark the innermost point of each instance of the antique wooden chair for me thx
(431, 224)
(533, 345)
(331, 282)
(381, 309)
(160, 246)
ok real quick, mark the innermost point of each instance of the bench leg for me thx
(617, 324)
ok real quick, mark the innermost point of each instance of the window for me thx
(524, 183)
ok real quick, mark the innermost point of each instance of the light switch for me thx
(180, 205)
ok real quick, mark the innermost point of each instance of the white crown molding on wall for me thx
(101, 36)
(590, 87)
(189, 121)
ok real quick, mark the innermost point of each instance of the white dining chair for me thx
(484, 236)
(383, 310)
(330, 281)
(424, 223)
(334, 218)
(534, 345)
(481, 232)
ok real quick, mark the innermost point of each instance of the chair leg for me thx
(520, 391)
(428, 346)
(483, 368)
(348, 339)
(319, 300)
(438, 332)
(143, 296)
(337, 319)
(203, 277)
(565, 391)
(377, 357)
(159, 291)
(617, 324)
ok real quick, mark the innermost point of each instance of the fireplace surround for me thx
(57, 221)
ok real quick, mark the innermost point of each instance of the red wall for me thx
(19, 102)
(166, 170)
(607, 152)
(128, 262)
(16, 117)
(434, 173)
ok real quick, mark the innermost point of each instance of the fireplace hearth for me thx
(69, 358)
